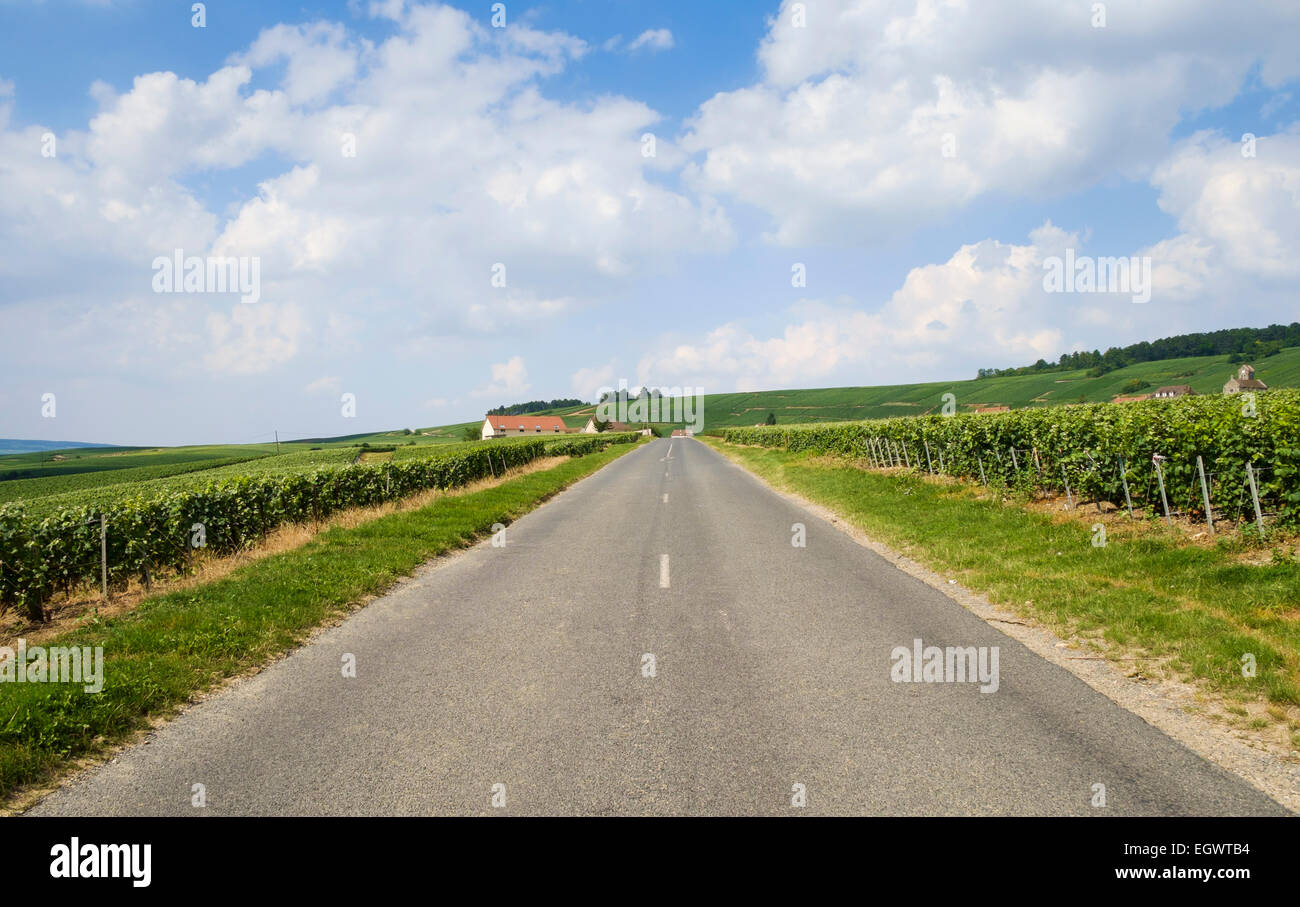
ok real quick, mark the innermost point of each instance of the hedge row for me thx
(1085, 445)
(581, 445)
(156, 532)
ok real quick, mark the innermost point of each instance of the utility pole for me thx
(277, 440)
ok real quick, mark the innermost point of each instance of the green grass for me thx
(179, 644)
(1147, 591)
(1206, 375)
(97, 481)
(43, 496)
(84, 460)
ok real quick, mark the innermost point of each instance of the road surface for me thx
(512, 680)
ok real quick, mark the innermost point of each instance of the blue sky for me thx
(920, 160)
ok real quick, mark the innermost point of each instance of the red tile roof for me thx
(527, 423)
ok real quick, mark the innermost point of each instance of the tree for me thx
(533, 406)
(472, 432)
(1132, 387)
(771, 419)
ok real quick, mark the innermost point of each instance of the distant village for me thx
(1244, 380)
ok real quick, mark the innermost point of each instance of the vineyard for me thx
(1169, 456)
(55, 484)
(148, 528)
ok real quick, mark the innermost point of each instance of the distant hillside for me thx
(36, 460)
(1246, 344)
(1205, 374)
(19, 445)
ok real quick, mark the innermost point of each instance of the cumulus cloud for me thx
(1239, 213)
(319, 58)
(381, 184)
(379, 212)
(653, 39)
(1231, 263)
(984, 304)
(508, 378)
(253, 338)
(587, 381)
(880, 115)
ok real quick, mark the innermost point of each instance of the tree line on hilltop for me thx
(1242, 344)
(533, 406)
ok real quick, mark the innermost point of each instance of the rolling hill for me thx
(43, 472)
(21, 446)
(1205, 374)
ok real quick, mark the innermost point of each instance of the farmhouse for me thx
(1170, 391)
(518, 426)
(1244, 381)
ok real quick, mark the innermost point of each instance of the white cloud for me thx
(508, 378)
(254, 338)
(587, 381)
(1232, 263)
(319, 58)
(653, 39)
(984, 305)
(1239, 216)
(324, 384)
(390, 249)
(462, 161)
(847, 132)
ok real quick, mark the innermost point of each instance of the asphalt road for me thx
(524, 666)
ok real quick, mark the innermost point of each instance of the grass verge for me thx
(1193, 609)
(174, 646)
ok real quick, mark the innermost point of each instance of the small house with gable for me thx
(1245, 380)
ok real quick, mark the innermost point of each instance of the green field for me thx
(48, 495)
(86, 482)
(1205, 374)
(78, 474)
(74, 461)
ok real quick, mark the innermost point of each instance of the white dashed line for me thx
(663, 571)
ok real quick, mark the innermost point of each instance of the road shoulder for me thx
(1161, 703)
